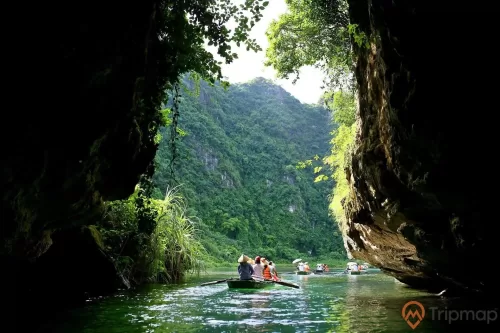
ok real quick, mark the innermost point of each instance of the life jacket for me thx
(266, 273)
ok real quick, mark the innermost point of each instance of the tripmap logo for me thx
(413, 313)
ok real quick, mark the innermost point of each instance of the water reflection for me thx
(257, 305)
(260, 301)
(364, 310)
(325, 303)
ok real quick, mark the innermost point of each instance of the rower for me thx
(245, 270)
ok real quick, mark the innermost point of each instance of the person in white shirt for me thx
(274, 272)
(258, 267)
(301, 267)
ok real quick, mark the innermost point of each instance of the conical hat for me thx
(243, 258)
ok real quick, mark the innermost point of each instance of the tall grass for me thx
(153, 242)
(174, 244)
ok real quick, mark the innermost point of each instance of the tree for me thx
(183, 30)
(314, 33)
(342, 142)
(187, 25)
(343, 106)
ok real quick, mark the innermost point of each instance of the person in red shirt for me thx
(266, 272)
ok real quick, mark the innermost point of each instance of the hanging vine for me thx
(174, 133)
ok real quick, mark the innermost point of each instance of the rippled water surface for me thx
(325, 303)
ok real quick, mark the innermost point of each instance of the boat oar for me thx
(214, 282)
(283, 283)
(288, 284)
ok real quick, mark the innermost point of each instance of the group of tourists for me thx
(260, 268)
(355, 267)
(322, 268)
(303, 267)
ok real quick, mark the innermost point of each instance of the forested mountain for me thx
(237, 170)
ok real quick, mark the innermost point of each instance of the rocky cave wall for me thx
(414, 204)
(87, 90)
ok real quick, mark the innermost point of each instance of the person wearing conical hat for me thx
(245, 269)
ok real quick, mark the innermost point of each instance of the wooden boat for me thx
(248, 284)
(319, 271)
(302, 273)
(355, 272)
(235, 283)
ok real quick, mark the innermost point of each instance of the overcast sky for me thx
(250, 64)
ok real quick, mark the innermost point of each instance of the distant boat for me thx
(320, 269)
(360, 269)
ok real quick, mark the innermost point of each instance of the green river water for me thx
(332, 302)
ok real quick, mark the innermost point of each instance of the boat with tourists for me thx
(321, 268)
(256, 283)
(302, 267)
(353, 268)
(251, 278)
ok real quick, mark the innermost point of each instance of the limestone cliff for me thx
(414, 206)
